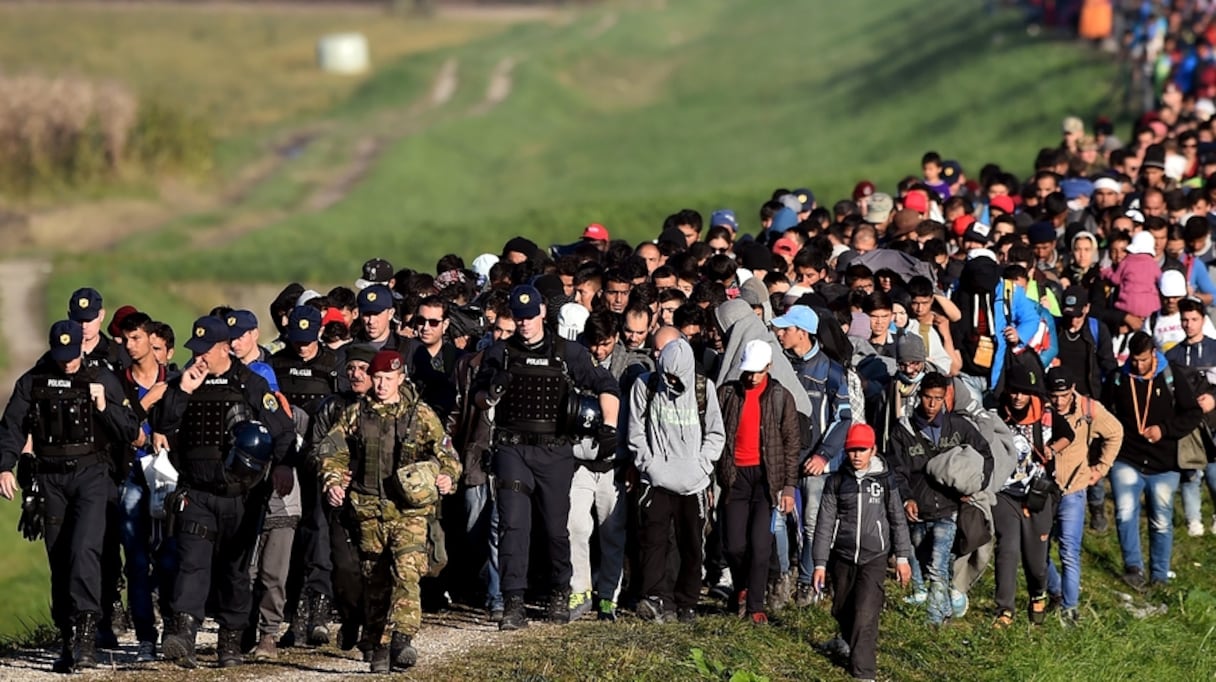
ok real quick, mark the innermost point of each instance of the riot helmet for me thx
(249, 458)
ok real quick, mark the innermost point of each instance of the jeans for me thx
(136, 545)
(482, 530)
(1191, 497)
(1070, 525)
(1128, 484)
(933, 544)
(812, 495)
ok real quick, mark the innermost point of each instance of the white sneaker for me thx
(917, 597)
(1194, 528)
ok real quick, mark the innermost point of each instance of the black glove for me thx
(30, 525)
(607, 442)
(499, 384)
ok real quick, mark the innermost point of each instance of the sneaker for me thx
(607, 610)
(1070, 618)
(1038, 610)
(805, 595)
(1004, 619)
(686, 615)
(724, 588)
(580, 605)
(741, 603)
(959, 603)
(1194, 528)
(147, 652)
(1054, 602)
(836, 647)
(651, 608)
(917, 597)
(1134, 578)
(759, 618)
(1097, 519)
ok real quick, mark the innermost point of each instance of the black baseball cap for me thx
(207, 331)
(241, 321)
(1074, 301)
(375, 299)
(375, 271)
(304, 325)
(65, 339)
(525, 302)
(1059, 380)
(84, 305)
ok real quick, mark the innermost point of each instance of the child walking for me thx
(861, 522)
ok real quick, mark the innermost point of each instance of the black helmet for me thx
(584, 416)
(250, 455)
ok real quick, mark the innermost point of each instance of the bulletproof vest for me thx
(305, 384)
(214, 407)
(383, 444)
(62, 420)
(537, 399)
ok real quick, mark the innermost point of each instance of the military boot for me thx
(228, 648)
(559, 606)
(402, 652)
(319, 607)
(297, 631)
(179, 645)
(380, 659)
(66, 663)
(86, 640)
(348, 636)
(514, 616)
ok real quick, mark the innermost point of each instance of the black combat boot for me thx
(348, 636)
(380, 659)
(66, 663)
(86, 640)
(559, 606)
(402, 652)
(297, 631)
(228, 648)
(514, 617)
(179, 644)
(319, 607)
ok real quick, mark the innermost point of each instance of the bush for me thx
(70, 132)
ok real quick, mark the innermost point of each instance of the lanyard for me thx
(1141, 416)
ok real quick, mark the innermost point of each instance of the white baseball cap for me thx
(757, 355)
(1173, 283)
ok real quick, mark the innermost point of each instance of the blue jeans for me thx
(812, 494)
(1191, 497)
(482, 530)
(1128, 484)
(933, 544)
(136, 529)
(1070, 526)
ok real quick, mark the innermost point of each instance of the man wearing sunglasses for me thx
(430, 357)
(528, 380)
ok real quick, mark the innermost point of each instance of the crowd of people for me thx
(765, 412)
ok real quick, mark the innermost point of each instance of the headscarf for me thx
(739, 325)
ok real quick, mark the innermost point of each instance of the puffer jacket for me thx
(861, 518)
(780, 436)
(1099, 433)
(911, 452)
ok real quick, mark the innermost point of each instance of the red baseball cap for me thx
(786, 247)
(860, 437)
(1003, 202)
(596, 232)
(332, 315)
(961, 223)
(917, 201)
(863, 189)
(119, 315)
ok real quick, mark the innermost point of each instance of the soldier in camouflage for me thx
(392, 453)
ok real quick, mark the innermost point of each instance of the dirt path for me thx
(22, 306)
(499, 88)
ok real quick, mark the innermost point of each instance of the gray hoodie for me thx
(672, 452)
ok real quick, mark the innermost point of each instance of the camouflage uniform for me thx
(372, 443)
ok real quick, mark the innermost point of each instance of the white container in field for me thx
(343, 53)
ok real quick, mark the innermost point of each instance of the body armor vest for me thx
(537, 399)
(214, 407)
(383, 445)
(305, 384)
(62, 420)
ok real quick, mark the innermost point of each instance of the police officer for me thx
(196, 416)
(527, 379)
(346, 578)
(390, 449)
(376, 322)
(86, 307)
(308, 373)
(73, 413)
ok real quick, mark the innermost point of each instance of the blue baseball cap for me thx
(240, 322)
(304, 324)
(525, 302)
(65, 339)
(799, 316)
(84, 305)
(783, 220)
(1076, 187)
(724, 217)
(206, 332)
(375, 299)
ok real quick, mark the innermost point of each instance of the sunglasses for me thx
(427, 322)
